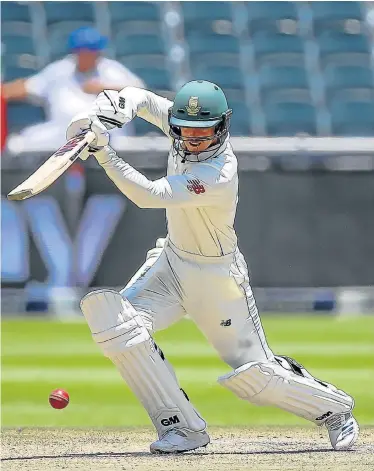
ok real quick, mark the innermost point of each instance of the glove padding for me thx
(107, 112)
(110, 108)
(83, 122)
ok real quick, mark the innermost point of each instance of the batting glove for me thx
(83, 122)
(110, 107)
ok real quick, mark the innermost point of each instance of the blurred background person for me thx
(68, 86)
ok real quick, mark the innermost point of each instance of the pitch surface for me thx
(231, 449)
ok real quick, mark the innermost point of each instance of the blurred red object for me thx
(77, 168)
(3, 122)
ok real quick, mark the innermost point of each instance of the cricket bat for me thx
(53, 167)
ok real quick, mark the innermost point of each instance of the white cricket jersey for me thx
(200, 197)
(60, 85)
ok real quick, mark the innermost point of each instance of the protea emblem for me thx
(193, 106)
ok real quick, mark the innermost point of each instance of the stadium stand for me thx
(13, 69)
(125, 12)
(271, 16)
(201, 45)
(227, 77)
(14, 44)
(20, 115)
(155, 78)
(352, 118)
(343, 48)
(281, 48)
(207, 17)
(283, 81)
(240, 121)
(15, 12)
(138, 44)
(290, 118)
(288, 61)
(335, 16)
(59, 12)
(350, 82)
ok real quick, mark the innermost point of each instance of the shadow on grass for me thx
(138, 454)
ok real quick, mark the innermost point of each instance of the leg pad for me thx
(269, 383)
(122, 336)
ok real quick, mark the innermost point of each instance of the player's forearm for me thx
(15, 90)
(146, 105)
(136, 186)
(138, 98)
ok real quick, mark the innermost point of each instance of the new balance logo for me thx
(226, 323)
(170, 421)
(324, 416)
(121, 102)
(348, 431)
(346, 426)
(195, 186)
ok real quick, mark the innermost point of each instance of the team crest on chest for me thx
(193, 106)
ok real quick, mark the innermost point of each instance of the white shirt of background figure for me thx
(67, 87)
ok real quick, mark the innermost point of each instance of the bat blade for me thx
(53, 167)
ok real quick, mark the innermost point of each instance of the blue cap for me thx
(87, 38)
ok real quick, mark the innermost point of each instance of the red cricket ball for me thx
(59, 399)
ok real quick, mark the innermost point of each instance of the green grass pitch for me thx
(40, 355)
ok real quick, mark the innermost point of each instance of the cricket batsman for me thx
(197, 270)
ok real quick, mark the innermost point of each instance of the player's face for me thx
(86, 59)
(191, 138)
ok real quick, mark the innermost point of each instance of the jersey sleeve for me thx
(147, 105)
(205, 187)
(38, 84)
(116, 74)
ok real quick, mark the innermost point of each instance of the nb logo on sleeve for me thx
(226, 323)
(195, 186)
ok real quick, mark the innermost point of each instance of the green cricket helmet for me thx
(200, 104)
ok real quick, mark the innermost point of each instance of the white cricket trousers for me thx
(214, 292)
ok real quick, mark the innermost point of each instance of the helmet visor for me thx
(183, 123)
